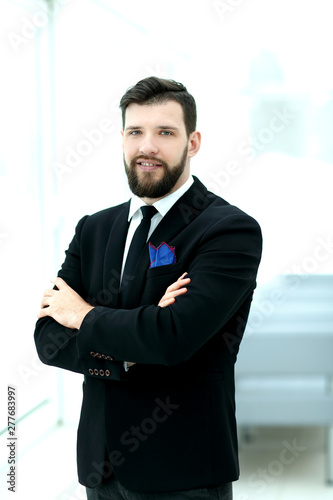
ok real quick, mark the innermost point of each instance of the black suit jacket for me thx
(169, 422)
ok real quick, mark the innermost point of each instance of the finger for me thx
(182, 276)
(166, 302)
(175, 293)
(45, 302)
(172, 296)
(43, 313)
(178, 284)
(48, 293)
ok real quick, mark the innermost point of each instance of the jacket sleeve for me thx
(223, 275)
(57, 345)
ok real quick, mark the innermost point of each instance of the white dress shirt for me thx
(162, 206)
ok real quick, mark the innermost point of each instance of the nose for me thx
(148, 146)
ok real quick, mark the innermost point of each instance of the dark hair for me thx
(153, 90)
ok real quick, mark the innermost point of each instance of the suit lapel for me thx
(181, 214)
(114, 257)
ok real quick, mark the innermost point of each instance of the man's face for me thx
(156, 149)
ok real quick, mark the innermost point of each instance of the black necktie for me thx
(137, 245)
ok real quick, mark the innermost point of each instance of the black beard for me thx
(147, 187)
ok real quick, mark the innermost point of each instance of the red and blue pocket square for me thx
(162, 255)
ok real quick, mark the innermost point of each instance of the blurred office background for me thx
(261, 75)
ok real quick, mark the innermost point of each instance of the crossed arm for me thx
(66, 306)
(222, 271)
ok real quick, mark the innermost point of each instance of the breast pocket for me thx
(157, 281)
(169, 269)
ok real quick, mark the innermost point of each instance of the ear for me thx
(194, 143)
(122, 137)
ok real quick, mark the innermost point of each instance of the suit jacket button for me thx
(107, 373)
(96, 372)
(101, 372)
(91, 371)
(109, 358)
(98, 355)
(93, 354)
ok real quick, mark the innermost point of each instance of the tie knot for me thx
(148, 211)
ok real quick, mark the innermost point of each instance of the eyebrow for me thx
(160, 127)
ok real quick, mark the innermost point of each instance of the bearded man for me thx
(150, 305)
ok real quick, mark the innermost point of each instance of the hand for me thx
(177, 288)
(64, 305)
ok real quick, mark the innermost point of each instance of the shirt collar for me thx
(164, 204)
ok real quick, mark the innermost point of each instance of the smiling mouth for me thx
(148, 164)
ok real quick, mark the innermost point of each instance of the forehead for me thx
(154, 115)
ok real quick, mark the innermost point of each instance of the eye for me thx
(134, 132)
(166, 132)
